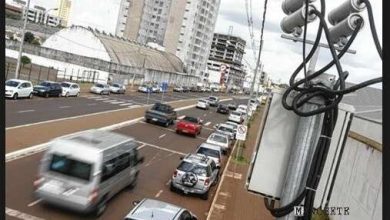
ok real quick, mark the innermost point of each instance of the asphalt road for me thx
(162, 149)
(26, 111)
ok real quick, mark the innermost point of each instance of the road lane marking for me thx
(126, 104)
(151, 160)
(65, 106)
(101, 99)
(169, 182)
(34, 203)
(110, 100)
(25, 111)
(218, 206)
(158, 194)
(161, 136)
(141, 146)
(208, 123)
(181, 117)
(163, 148)
(210, 129)
(20, 215)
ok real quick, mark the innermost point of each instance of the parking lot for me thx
(162, 149)
(26, 111)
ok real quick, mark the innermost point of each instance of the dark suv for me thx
(161, 113)
(48, 88)
(223, 109)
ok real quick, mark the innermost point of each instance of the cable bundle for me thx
(305, 91)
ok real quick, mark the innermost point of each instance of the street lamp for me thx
(22, 40)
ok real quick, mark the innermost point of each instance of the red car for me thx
(189, 125)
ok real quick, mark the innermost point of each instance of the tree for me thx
(36, 42)
(28, 37)
(25, 60)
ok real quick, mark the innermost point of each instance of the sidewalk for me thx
(232, 200)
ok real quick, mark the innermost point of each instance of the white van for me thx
(83, 171)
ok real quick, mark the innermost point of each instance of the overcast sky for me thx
(279, 56)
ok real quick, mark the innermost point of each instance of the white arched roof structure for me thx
(92, 43)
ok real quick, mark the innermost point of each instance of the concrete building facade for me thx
(226, 50)
(64, 11)
(184, 28)
(40, 15)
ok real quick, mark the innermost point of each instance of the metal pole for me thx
(308, 131)
(22, 40)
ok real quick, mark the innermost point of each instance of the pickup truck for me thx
(161, 113)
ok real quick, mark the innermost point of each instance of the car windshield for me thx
(197, 169)
(223, 128)
(236, 113)
(11, 83)
(46, 84)
(212, 98)
(161, 108)
(99, 85)
(67, 85)
(70, 167)
(208, 152)
(222, 106)
(115, 85)
(218, 138)
(190, 119)
(202, 101)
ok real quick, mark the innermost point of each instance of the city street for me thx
(160, 146)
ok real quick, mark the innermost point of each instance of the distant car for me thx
(70, 89)
(263, 99)
(143, 88)
(202, 89)
(194, 89)
(213, 101)
(161, 113)
(243, 109)
(16, 88)
(233, 124)
(186, 89)
(207, 89)
(225, 129)
(232, 106)
(100, 88)
(118, 88)
(214, 90)
(148, 209)
(178, 89)
(195, 174)
(223, 109)
(156, 89)
(48, 88)
(212, 151)
(221, 140)
(203, 104)
(189, 125)
(236, 116)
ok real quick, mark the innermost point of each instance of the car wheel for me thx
(15, 96)
(147, 120)
(47, 95)
(67, 95)
(78, 94)
(172, 188)
(216, 180)
(30, 96)
(101, 93)
(167, 124)
(177, 131)
(205, 195)
(100, 208)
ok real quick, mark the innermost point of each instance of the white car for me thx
(178, 89)
(212, 151)
(101, 89)
(242, 109)
(118, 88)
(219, 139)
(226, 129)
(16, 88)
(233, 124)
(143, 88)
(203, 104)
(70, 89)
(236, 116)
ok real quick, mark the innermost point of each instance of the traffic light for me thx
(295, 19)
(345, 19)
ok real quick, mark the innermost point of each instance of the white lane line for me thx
(158, 194)
(151, 160)
(163, 148)
(111, 100)
(210, 129)
(125, 104)
(34, 203)
(141, 146)
(20, 215)
(181, 117)
(202, 138)
(169, 182)
(91, 104)
(24, 111)
(101, 99)
(65, 106)
(93, 97)
(161, 136)
(118, 102)
(207, 123)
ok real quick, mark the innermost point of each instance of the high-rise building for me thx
(183, 27)
(228, 51)
(64, 11)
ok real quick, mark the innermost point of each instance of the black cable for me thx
(304, 42)
(372, 27)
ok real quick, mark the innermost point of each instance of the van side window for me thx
(133, 158)
(115, 166)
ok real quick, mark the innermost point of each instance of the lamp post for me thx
(22, 40)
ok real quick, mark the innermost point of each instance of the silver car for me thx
(226, 129)
(195, 174)
(221, 140)
(148, 209)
